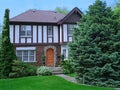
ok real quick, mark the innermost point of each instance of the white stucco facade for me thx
(11, 33)
(40, 34)
(34, 34)
(65, 32)
(16, 33)
(55, 35)
(45, 34)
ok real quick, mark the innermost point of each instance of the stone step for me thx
(56, 70)
(55, 73)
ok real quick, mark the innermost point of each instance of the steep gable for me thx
(72, 17)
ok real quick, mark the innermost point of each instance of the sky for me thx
(18, 6)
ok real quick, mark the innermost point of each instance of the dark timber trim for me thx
(13, 33)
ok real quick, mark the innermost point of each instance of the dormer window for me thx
(25, 31)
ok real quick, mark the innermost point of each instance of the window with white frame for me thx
(49, 31)
(64, 53)
(70, 29)
(26, 55)
(25, 31)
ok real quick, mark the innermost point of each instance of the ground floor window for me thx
(26, 55)
(64, 53)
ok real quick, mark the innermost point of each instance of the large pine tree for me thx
(7, 54)
(96, 47)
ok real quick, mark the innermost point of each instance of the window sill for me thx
(25, 36)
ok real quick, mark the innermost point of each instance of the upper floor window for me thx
(70, 29)
(25, 30)
(50, 31)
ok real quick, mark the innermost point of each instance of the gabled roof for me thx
(44, 16)
(38, 16)
(75, 10)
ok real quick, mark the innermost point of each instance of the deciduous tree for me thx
(62, 10)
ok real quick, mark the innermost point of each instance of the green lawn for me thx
(43, 83)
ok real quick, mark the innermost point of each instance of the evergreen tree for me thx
(96, 47)
(7, 50)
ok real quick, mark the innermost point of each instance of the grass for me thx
(43, 83)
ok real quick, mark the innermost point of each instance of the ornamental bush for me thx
(43, 70)
(67, 66)
(21, 69)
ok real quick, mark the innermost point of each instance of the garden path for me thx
(72, 79)
(68, 78)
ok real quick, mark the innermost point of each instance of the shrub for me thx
(43, 70)
(20, 69)
(13, 75)
(62, 57)
(67, 66)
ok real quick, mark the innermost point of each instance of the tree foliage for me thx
(96, 47)
(0, 40)
(62, 10)
(117, 9)
(7, 50)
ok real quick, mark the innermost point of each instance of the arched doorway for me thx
(50, 57)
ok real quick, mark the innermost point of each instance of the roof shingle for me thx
(40, 16)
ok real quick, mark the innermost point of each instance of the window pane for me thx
(49, 31)
(50, 40)
(31, 58)
(23, 28)
(25, 53)
(70, 26)
(31, 52)
(70, 29)
(22, 33)
(19, 55)
(25, 58)
(19, 52)
(28, 33)
(64, 53)
(19, 58)
(70, 32)
(28, 27)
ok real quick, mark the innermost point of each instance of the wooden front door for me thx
(50, 57)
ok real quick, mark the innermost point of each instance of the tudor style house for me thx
(38, 33)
